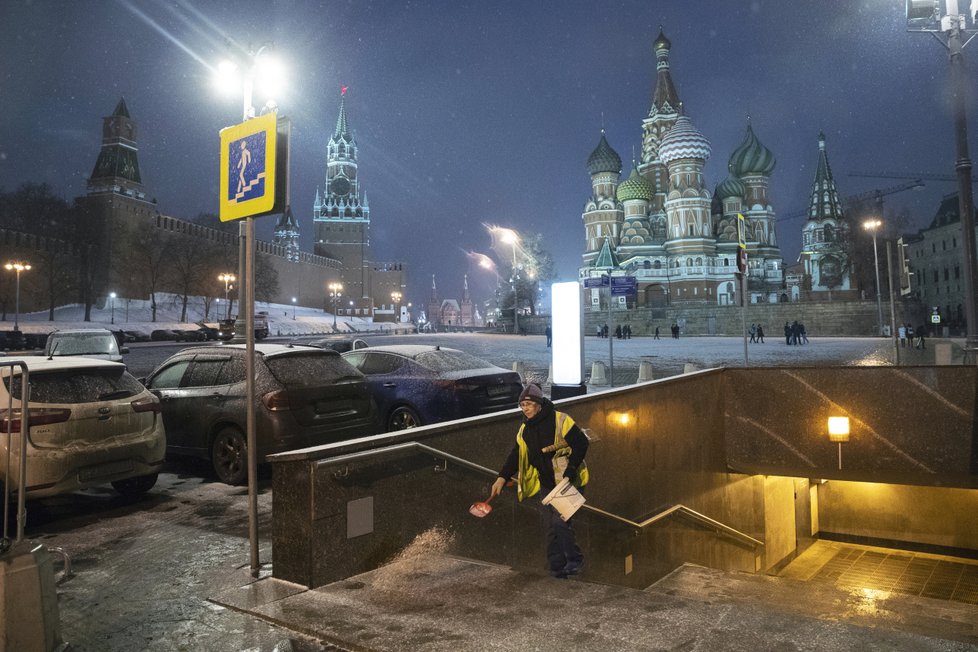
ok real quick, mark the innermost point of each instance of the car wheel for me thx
(403, 418)
(229, 456)
(133, 487)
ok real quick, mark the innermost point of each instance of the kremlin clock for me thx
(340, 186)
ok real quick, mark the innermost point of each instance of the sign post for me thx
(742, 268)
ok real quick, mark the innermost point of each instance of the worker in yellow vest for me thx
(549, 447)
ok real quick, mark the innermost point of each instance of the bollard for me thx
(942, 353)
(689, 367)
(645, 371)
(599, 376)
(520, 367)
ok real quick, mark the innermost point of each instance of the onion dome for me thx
(683, 141)
(603, 158)
(636, 187)
(730, 187)
(661, 43)
(751, 157)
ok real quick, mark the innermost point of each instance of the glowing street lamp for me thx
(334, 291)
(873, 226)
(839, 433)
(227, 278)
(293, 308)
(112, 297)
(511, 238)
(17, 267)
(396, 296)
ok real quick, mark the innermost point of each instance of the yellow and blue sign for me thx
(248, 158)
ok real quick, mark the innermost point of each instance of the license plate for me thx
(104, 470)
(498, 390)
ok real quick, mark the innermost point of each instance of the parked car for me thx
(163, 335)
(194, 335)
(89, 342)
(90, 423)
(305, 397)
(418, 384)
(136, 336)
(338, 344)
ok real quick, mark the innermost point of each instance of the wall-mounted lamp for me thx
(839, 433)
(623, 419)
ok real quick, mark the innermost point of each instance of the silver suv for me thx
(89, 342)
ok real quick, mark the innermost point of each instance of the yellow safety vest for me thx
(528, 479)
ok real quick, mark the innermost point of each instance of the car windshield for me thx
(77, 385)
(83, 344)
(450, 361)
(308, 369)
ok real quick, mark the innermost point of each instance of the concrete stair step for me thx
(436, 602)
(942, 622)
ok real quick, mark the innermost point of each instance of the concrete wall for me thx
(737, 445)
(936, 516)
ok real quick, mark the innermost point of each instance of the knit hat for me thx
(532, 392)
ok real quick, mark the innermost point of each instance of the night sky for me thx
(474, 113)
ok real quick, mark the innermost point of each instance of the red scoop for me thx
(481, 509)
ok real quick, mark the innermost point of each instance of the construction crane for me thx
(863, 196)
(925, 177)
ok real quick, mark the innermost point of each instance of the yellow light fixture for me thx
(838, 429)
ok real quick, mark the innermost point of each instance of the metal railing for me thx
(24, 414)
(718, 527)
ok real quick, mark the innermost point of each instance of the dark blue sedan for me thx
(416, 385)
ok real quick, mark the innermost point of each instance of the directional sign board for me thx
(248, 159)
(596, 282)
(624, 285)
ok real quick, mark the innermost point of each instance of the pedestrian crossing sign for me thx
(248, 158)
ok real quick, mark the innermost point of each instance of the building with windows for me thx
(663, 226)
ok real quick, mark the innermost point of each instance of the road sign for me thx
(248, 160)
(596, 282)
(624, 281)
(741, 231)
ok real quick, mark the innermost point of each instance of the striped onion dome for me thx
(683, 141)
(635, 187)
(751, 157)
(730, 187)
(603, 158)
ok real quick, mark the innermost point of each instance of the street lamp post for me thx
(17, 267)
(511, 238)
(112, 299)
(334, 292)
(396, 297)
(873, 226)
(293, 308)
(227, 278)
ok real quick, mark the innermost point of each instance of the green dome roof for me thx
(731, 187)
(603, 158)
(636, 187)
(751, 157)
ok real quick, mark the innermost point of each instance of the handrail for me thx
(720, 528)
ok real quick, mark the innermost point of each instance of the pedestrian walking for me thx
(760, 334)
(920, 331)
(787, 333)
(902, 334)
(549, 448)
(550, 335)
(656, 333)
(753, 333)
(618, 332)
(802, 333)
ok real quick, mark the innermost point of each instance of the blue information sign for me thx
(596, 282)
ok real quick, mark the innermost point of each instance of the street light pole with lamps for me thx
(396, 297)
(17, 267)
(334, 292)
(927, 16)
(227, 278)
(873, 226)
(112, 299)
(293, 308)
(511, 238)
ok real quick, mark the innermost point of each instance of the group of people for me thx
(794, 333)
(622, 332)
(912, 336)
(757, 333)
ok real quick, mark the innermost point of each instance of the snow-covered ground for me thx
(137, 315)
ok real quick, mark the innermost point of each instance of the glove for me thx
(571, 474)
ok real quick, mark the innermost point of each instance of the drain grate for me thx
(902, 572)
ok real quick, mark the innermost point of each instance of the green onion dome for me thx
(730, 187)
(603, 158)
(636, 187)
(751, 157)
(683, 141)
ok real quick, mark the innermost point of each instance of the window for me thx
(169, 376)
(204, 372)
